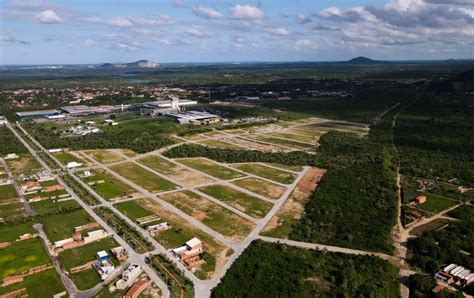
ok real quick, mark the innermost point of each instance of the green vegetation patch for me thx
(52, 206)
(104, 156)
(21, 256)
(7, 192)
(26, 164)
(61, 226)
(133, 209)
(158, 164)
(267, 172)
(436, 203)
(250, 205)
(80, 255)
(219, 144)
(35, 285)
(11, 231)
(144, 178)
(107, 186)
(211, 168)
(277, 270)
(65, 158)
(86, 279)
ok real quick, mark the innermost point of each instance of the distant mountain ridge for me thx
(136, 64)
(364, 61)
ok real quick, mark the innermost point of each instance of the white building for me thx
(129, 275)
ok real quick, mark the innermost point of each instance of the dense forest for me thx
(277, 270)
(435, 136)
(9, 143)
(453, 244)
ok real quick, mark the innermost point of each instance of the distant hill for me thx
(136, 64)
(364, 61)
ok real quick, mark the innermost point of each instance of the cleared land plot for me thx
(431, 226)
(107, 186)
(241, 201)
(216, 217)
(339, 127)
(66, 157)
(104, 156)
(219, 144)
(294, 168)
(86, 279)
(178, 173)
(61, 226)
(211, 168)
(302, 138)
(306, 131)
(281, 225)
(26, 165)
(267, 172)
(261, 187)
(11, 210)
(128, 152)
(35, 284)
(80, 255)
(256, 145)
(281, 142)
(180, 232)
(144, 178)
(21, 256)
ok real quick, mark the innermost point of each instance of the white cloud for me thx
(305, 44)
(208, 13)
(279, 31)
(178, 3)
(246, 12)
(89, 43)
(8, 39)
(302, 19)
(197, 32)
(167, 42)
(48, 17)
(31, 5)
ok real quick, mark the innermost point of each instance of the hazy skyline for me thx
(88, 31)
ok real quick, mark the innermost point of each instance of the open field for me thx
(261, 187)
(295, 168)
(107, 186)
(280, 142)
(174, 171)
(128, 152)
(26, 165)
(67, 157)
(431, 226)
(104, 156)
(180, 232)
(61, 226)
(219, 144)
(144, 178)
(211, 168)
(242, 142)
(86, 279)
(267, 172)
(7, 192)
(35, 285)
(241, 201)
(51, 206)
(216, 217)
(80, 255)
(10, 232)
(296, 137)
(436, 203)
(21, 256)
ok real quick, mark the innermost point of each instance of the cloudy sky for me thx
(96, 31)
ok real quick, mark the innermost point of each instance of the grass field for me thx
(219, 144)
(104, 156)
(110, 188)
(22, 256)
(436, 203)
(86, 279)
(11, 211)
(174, 171)
(433, 225)
(132, 210)
(7, 192)
(261, 187)
(80, 255)
(216, 217)
(61, 226)
(10, 232)
(65, 158)
(241, 201)
(144, 178)
(282, 142)
(40, 285)
(302, 138)
(267, 172)
(287, 167)
(211, 168)
(50, 206)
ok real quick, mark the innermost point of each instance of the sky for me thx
(165, 31)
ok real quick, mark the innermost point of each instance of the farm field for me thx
(180, 232)
(146, 179)
(261, 170)
(174, 171)
(104, 156)
(211, 168)
(261, 187)
(21, 256)
(107, 186)
(68, 221)
(248, 204)
(216, 217)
